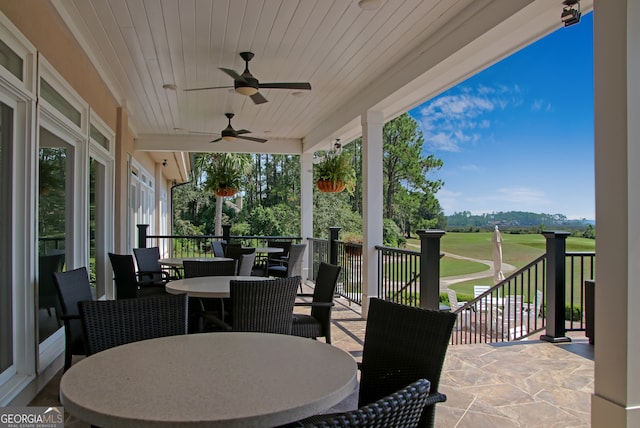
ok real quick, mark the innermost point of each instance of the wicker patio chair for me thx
(128, 283)
(149, 267)
(402, 409)
(198, 268)
(292, 266)
(217, 248)
(403, 344)
(245, 264)
(72, 287)
(318, 322)
(286, 247)
(109, 323)
(264, 306)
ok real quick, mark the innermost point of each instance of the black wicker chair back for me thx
(291, 266)
(109, 323)
(402, 409)
(72, 287)
(286, 247)
(217, 248)
(318, 323)
(263, 306)
(245, 264)
(149, 267)
(196, 268)
(128, 285)
(403, 344)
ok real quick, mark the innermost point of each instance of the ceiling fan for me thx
(248, 85)
(230, 134)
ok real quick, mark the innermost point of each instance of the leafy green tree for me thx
(334, 209)
(405, 171)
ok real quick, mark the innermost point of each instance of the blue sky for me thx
(519, 135)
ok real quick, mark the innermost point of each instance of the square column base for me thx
(553, 339)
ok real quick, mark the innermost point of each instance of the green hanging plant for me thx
(335, 172)
(226, 174)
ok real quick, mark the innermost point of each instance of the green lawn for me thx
(451, 267)
(517, 250)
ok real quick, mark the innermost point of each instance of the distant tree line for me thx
(271, 193)
(518, 222)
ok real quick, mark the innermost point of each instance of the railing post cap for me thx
(555, 233)
(431, 233)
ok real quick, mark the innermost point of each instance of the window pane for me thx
(53, 164)
(6, 290)
(58, 102)
(10, 60)
(98, 137)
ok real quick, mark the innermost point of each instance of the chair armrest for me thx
(316, 304)
(69, 317)
(323, 304)
(304, 295)
(436, 397)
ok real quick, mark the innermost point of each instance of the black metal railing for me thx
(399, 275)
(510, 310)
(318, 253)
(548, 293)
(515, 308)
(350, 258)
(581, 266)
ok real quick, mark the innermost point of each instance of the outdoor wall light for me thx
(570, 12)
(165, 163)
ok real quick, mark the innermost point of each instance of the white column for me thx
(616, 398)
(372, 203)
(306, 204)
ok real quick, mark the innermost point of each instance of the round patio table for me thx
(208, 380)
(178, 261)
(207, 286)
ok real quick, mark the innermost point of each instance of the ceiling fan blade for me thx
(231, 73)
(258, 98)
(257, 140)
(204, 133)
(216, 140)
(302, 86)
(243, 131)
(210, 87)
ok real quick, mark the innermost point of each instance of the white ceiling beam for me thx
(200, 143)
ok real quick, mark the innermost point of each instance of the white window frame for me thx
(107, 230)
(144, 194)
(76, 249)
(19, 94)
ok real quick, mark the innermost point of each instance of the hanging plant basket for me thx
(328, 186)
(225, 191)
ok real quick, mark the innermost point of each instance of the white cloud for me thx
(453, 120)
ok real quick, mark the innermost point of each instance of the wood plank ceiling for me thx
(338, 47)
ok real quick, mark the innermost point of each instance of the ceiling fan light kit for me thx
(248, 85)
(369, 4)
(246, 90)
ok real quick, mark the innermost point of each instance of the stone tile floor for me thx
(519, 384)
